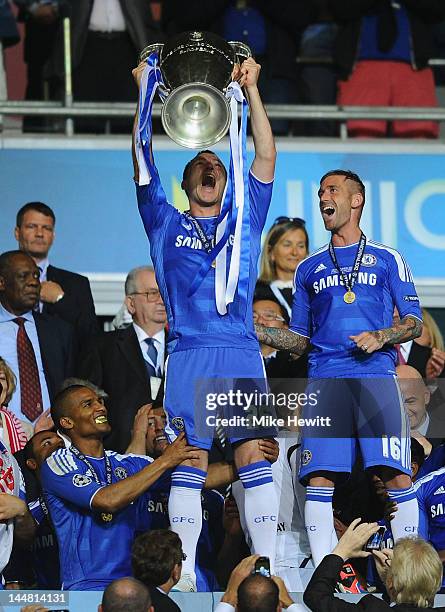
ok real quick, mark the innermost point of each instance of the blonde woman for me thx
(285, 245)
(13, 432)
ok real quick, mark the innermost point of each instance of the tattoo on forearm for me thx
(408, 329)
(282, 339)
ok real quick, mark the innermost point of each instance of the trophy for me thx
(196, 68)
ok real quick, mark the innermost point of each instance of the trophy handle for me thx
(242, 51)
(147, 51)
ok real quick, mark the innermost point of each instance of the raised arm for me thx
(119, 494)
(263, 166)
(282, 339)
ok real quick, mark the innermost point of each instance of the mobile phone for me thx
(262, 567)
(376, 540)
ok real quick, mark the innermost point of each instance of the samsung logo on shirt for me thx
(436, 510)
(333, 280)
(195, 243)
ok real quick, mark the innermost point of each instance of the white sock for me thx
(261, 508)
(319, 521)
(185, 511)
(406, 520)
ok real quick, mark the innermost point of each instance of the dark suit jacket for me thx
(57, 350)
(162, 602)
(319, 594)
(114, 362)
(76, 306)
(138, 20)
(418, 357)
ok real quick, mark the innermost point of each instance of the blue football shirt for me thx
(320, 313)
(177, 254)
(92, 552)
(430, 492)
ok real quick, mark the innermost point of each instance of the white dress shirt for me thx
(423, 427)
(405, 349)
(8, 350)
(159, 342)
(43, 267)
(107, 16)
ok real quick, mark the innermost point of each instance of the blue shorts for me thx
(205, 386)
(365, 413)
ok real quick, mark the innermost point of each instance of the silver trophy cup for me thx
(196, 68)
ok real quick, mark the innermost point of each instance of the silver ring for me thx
(365, 347)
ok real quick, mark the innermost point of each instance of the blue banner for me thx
(98, 227)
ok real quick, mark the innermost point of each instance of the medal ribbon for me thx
(349, 280)
(206, 241)
(76, 452)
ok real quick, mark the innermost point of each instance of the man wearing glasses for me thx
(129, 363)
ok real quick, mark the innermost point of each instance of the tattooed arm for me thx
(403, 330)
(282, 339)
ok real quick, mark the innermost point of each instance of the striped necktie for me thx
(152, 354)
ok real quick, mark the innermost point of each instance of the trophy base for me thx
(196, 115)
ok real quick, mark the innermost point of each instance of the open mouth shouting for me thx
(327, 210)
(208, 181)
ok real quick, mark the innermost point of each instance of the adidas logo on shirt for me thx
(320, 268)
(439, 491)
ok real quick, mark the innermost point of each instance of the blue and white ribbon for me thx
(151, 82)
(239, 215)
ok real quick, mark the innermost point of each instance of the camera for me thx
(376, 540)
(262, 567)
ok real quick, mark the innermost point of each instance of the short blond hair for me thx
(10, 380)
(415, 572)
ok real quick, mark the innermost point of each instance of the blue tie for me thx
(152, 354)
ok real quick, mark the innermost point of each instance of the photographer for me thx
(411, 573)
(249, 590)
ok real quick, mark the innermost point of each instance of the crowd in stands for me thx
(349, 52)
(63, 382)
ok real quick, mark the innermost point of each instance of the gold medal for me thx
(106, 517)
(349, 297)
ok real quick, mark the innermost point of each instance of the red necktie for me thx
(30, 391)
(400, 358)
